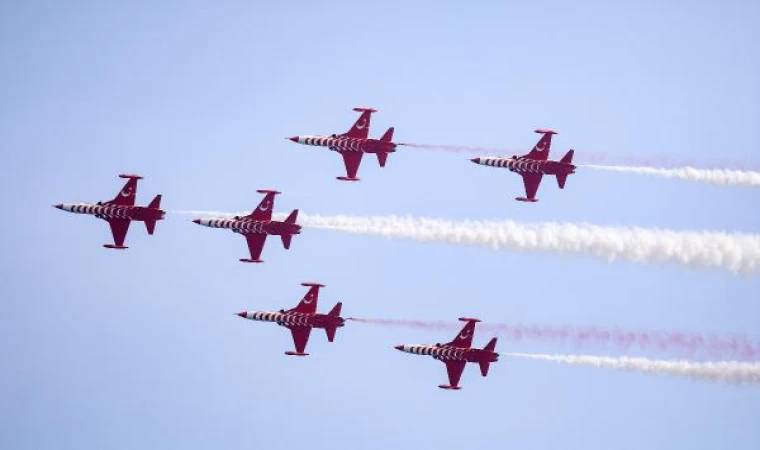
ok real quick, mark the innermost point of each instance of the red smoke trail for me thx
(736, 346)
(606, 158)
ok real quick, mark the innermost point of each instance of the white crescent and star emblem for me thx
(361, 125)
(540, 147)
(464, 335)
(307, 300)
(126, 192)
(264, 206)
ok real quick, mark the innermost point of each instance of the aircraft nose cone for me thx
(198, 221)
(399, 347)
(294, 138)
(59, 206)
(475, 160)
(242, 314)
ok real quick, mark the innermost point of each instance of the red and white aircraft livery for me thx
(534, 165)
(457, 353)
(301, 319)
(120, 211)
(257, 226)
(354, 144)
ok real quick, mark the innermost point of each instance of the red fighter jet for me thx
(120, 211)
(301, 319)
(354, 144)
(457, 353)
(534, 165)
(257, 226)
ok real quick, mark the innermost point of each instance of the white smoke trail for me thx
(720, 177)
(736, 252)
(727, 371)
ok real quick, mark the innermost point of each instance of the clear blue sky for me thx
(140, 349)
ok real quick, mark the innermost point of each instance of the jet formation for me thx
(301, 319)
(534, 165)
(121, 211)
(354, 144)
(457, 353)
(256, 226)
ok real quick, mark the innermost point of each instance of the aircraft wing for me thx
(256, 245)
(119, 228)
(308, 304)
(300, 337)
(360, 129)
(540, 151)
(264, 210)
(455, 369)
(127, 195)
(352, 160)
(531, 182)
(464, 338)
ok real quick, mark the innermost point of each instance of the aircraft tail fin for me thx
(491, 345)
(388, 136)
(568, 158)
(485, 365)
(150, 225)
(287, 238)
(292, 217)
(156, 202)
(336, 310)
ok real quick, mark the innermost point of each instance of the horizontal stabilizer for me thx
(365, 109)
(248, 260)
(296, 354)
(150, 225)
(561, 178)
(484, 368)
(446, 386)
(524, 199)
(130, 176)
(117, 247)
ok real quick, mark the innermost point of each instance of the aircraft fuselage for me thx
(268, 227)
(525, 165)
(346, 144)
(104, 211)
(290, 318)
(449, 353)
